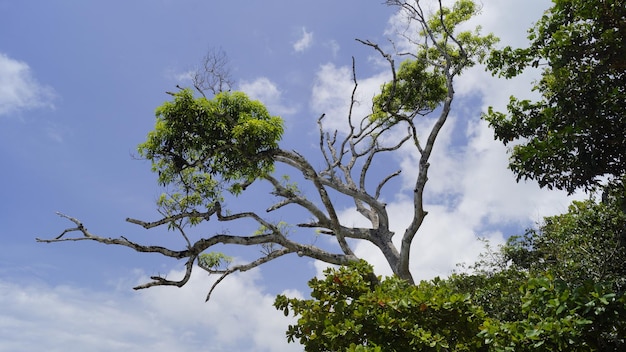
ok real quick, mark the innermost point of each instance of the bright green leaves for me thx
(458, 50)
(200, 147)
(213, 260)
(229, 136)
(446, 19)
(574, 134)
(351, 308)
(422, 83)
(418, 89)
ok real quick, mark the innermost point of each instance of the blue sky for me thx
(79, 82)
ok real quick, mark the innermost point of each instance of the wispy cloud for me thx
(38, 316)
(471, 193)
(19, 90)
(304, 42)
(332, 90)
(267, 92)
(334, 47)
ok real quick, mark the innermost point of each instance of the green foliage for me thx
(213, 260)
(421, 84)
(351, 310)
(497, 292)
(559, 288)
(572, 284)
(415, 89)
(562, 317)
(575, 133)
(199, 147)
(586, 243)
(462, 49)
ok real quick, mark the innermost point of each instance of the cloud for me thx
(267, 92)
(470, 194)
(240, 315)
(304, 42)
(19, 90)
(334, 47)
(185, 76)
(331, 94)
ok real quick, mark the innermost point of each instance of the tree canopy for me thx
(349, 310)
(208, 150)
(556, 288)
(200, 147)
(573, 135)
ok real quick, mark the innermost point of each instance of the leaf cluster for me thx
(201, 146)
(574, 134)
(422, 83)
(558, 316)
(558, 288)
(351, 308)
(586, 243)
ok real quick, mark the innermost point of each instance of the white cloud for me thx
(19, 90)
(304, 42)
(470, 193)
(267, 92)
(332, 92)
(334, 47)
(186, 76)
(239, 317)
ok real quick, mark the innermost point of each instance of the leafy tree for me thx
(558, 288)
(572, 292)
(559, 316)
(586, 243)
(574, 134)
(209, 150)
(570, 274)
(348, 309)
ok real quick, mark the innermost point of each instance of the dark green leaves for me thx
(559, 288)
(349, 309)
(575, 133)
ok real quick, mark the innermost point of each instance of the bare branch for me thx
(300, 163)
(245, 267)
(161, 281)
(170, 219)
(214, 74)
(201, 245)
(384, 181)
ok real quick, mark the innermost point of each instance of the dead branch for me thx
(244, 267)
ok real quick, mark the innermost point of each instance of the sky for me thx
(79, 82)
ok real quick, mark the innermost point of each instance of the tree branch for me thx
(244, 267)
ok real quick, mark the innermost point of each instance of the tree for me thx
(559, 316)
(586, 243)
(349, 310)
(574, 135)
(558, 288)
(209, 151)
(573, 295)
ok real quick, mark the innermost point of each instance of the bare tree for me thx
(421, 86)
(213, 75)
